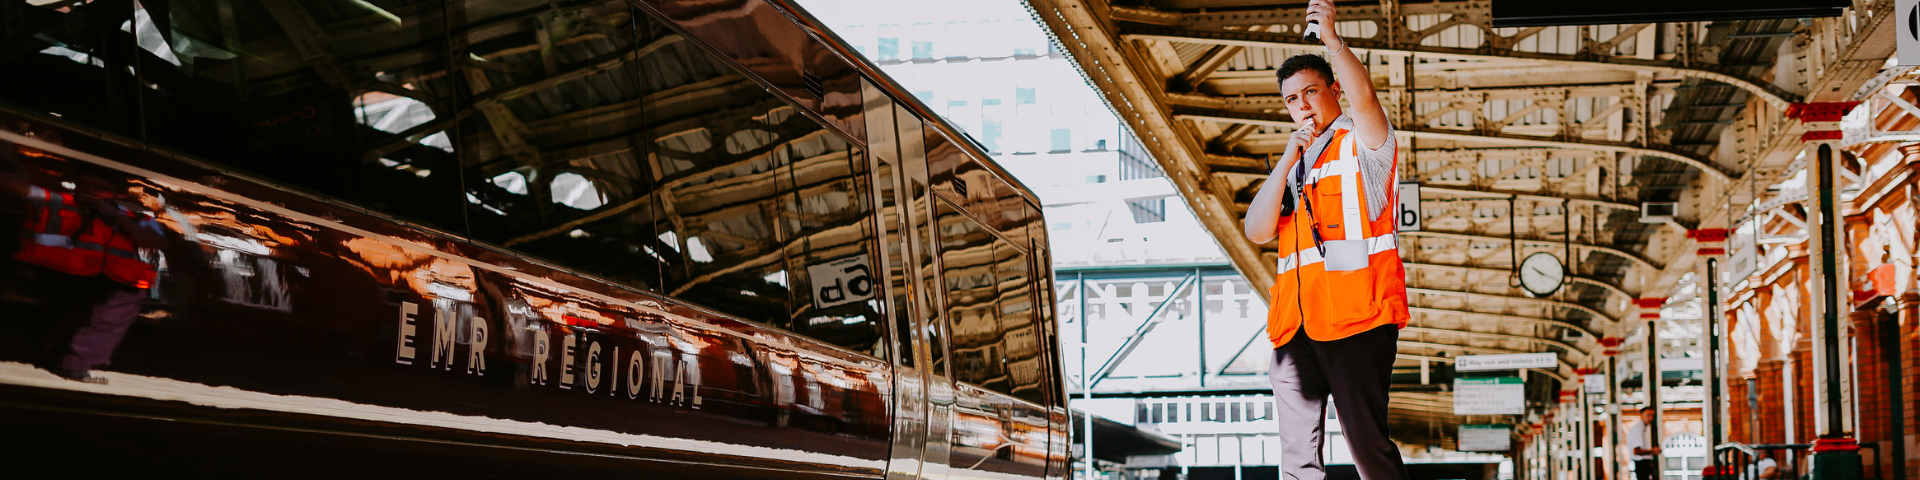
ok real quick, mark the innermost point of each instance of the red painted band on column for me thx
(1705, 235)
(1820, 111)
(1842, 444)
(1820, 135)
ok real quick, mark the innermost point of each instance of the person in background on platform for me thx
(1645, 446)
(1339, 296)
(85, 247)
(1763, 469)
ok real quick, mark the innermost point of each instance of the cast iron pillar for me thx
(1836, 455)
(1650, 313)
(1611, 348)
(1711, 245)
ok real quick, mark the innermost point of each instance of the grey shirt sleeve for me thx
(1379, 171)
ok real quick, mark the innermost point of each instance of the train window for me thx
(229, 83)
(729, 249)
(1019, 335)
(673, 172)
(74, 62)
(554, 147)
(829, 249)
(966, 255)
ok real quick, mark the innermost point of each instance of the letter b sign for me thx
(842, 281)
(1407, 213)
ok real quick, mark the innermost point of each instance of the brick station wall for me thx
(1772, 400)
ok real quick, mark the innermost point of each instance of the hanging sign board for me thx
(1408, 211)
(1596, 383)
(1511, 361)
(1489, 396)
(1486, 438)
(1743, 255)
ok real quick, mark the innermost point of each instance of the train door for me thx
(896, 152)
(930, 298)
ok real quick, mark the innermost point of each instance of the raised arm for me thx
(1369, 118)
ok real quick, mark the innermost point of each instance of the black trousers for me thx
(1646, 469)
(1356, 372)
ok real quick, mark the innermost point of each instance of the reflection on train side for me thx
(657, 229)
(328, 302)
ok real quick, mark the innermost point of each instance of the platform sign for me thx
(1595, 383)
(840, 282)
(1743, 256)
(1408, 211)
(1510, 361)
(1906, 16)
(1486, 438)
(1489, 396)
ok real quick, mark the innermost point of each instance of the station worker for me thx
(86, 247)
(1340, 297)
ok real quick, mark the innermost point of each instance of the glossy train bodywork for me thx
(301, 333)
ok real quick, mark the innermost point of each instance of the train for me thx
(507, 238)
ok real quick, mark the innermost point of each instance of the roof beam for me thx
(1502, 317)
(1774, 96)
(1629, 256)
(1448, 346)
(1697, 161)
(1502, 336)
(1466, 191)
(1232, 136)
(1509, 298)
(1208, 63)
(1276, 103)
(1615, 289)
(1461, 190)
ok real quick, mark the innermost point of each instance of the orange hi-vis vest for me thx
(1327, 302)
(66, 240)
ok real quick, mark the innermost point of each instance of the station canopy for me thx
(1605, 146)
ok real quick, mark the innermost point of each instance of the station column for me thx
(1835, 454)
(1650, 312)
(1711, 247)
(1611, 348)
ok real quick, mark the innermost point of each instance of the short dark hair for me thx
(1305, 61)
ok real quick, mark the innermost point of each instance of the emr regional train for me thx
(513, 238)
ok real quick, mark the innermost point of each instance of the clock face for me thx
(1541, 274)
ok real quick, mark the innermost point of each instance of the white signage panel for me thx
(1906, 15)
(1408, 211)
(1743, 256)
(1510, 361)
(841, 282)
(1486, 438)
(1596, 383)
(1489, 396)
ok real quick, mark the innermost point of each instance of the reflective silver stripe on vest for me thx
(1350, 193)
(53, 240)
(1310, 255)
